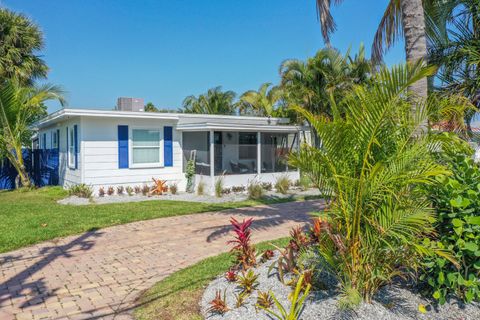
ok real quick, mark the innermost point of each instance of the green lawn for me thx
(177, 296)
(29, 217)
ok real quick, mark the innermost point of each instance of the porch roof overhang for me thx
(208, 126)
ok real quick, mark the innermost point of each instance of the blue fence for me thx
(42, 167)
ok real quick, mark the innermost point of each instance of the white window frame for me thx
(71, 147)
(159, 164)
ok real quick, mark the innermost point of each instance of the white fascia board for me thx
(236, 127)
(225, 120)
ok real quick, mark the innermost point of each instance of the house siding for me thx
(100, 153)
(67, 176)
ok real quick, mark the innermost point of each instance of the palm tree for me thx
(20, 38)
(263, 102)
(322, 81)
(215, 101)
(371, 162)
(20, 106)
(401, 17)
(454, 45)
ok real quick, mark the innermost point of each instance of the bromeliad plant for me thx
(370, 161)
(219, 303)
(296, 307)
(243, 248)
(160, 187)
(248, 281)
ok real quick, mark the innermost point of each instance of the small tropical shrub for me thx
(137, 189)
(296, 307)
(227, 190)
(120, 190)
(255, 190)
(110, 191)
(304, 183)
(145, 190)
(219, 303)
(286, 263)
(173, 188)
(129, 191)
(238, 189)
(240, 299)
(267, 186)
(267, 255)
(231, 275)
(101, 192)
(243, 249)
(456, 201)
(264, 300)
(80, 190)
(190, 175)
(247, 281)
(282, 184)
(201, 188)
(159, 187)
(219, 187)
(298, 239)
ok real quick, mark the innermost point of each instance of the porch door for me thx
(218, 151)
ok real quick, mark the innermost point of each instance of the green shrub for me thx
(190, 175)
(237, 189)
(255, 190)
(129, 191)
(219, 187)
(304, 183)
(80, 190)
(267, 186)
(457, 203)
(201, 188)
(173, 188)
(282, 184)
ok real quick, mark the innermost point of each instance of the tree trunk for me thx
(413, 21)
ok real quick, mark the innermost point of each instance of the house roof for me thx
(186, 121)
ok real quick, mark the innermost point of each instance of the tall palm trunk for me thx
(413, 21)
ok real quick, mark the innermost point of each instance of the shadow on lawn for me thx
(36, 291)
(266, 217)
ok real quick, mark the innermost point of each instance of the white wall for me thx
(100, 154)
(245, 179)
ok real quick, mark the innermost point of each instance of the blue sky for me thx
(163, 50)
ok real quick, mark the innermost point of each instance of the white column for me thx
(259, 153)
(212, 161)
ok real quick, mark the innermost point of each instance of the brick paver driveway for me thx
(98, 274)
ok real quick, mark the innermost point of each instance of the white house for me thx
(110, 148)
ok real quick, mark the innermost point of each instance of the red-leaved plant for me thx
(231, 276)
(243, 249)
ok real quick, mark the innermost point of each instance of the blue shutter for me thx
(167, 147)
(122, 147)
(75, 139)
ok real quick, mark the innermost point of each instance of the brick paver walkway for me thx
(98, 275)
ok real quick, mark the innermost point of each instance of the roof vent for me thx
(130, 104)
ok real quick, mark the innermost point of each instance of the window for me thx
(71, 147)
(54, 140)
(146, 147)
(247, 148)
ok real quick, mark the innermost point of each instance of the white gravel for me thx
(392, 302)
(181, 196)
